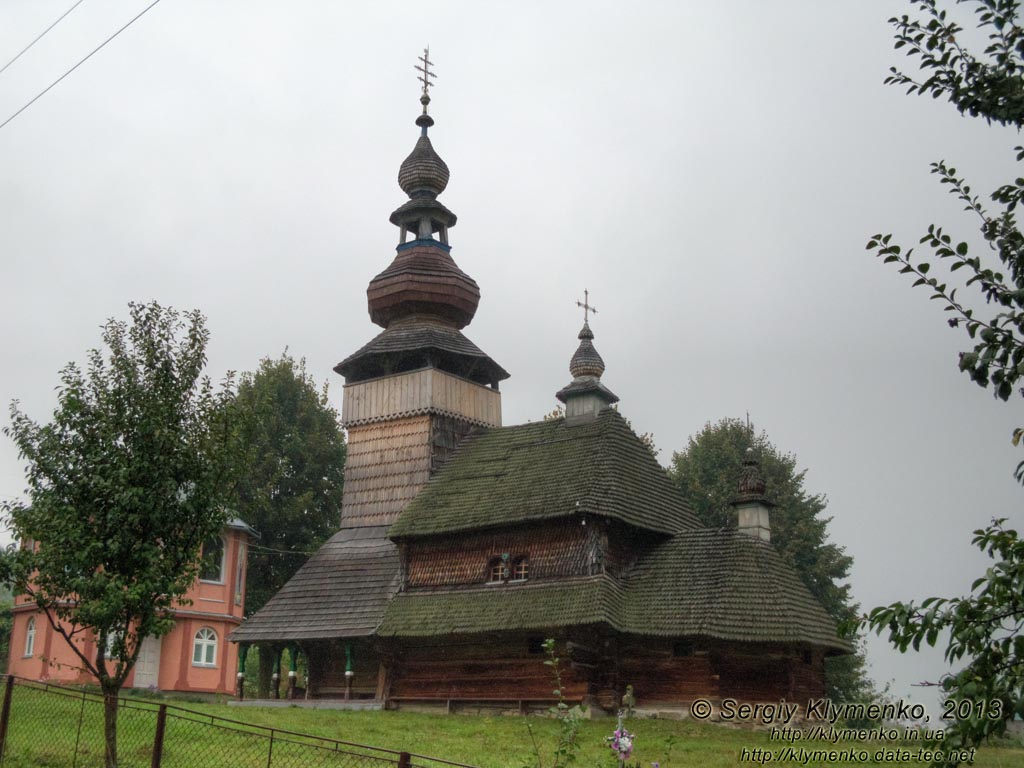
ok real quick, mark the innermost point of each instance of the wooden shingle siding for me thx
(553, 550)
(386, 466)
(427, 390)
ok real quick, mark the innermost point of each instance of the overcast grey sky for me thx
(710, 172)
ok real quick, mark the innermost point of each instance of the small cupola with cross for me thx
(585, 396)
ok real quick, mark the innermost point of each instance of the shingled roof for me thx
(577, 602)
(727, 585)
(545, 470)
(416, 340)
(718, 584)
(341, 591)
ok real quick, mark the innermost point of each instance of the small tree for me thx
(124, 486)
(291, 485)
(707, 471)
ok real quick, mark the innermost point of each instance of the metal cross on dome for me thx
(427, 75)
(586, 305)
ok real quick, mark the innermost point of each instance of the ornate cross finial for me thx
(426, 75)
(586, 305)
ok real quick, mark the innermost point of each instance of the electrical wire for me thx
(261, 548)
(41, 35)
(95, 50)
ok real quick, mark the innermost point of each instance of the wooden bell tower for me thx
(418, 387)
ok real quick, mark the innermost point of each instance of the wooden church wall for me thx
(388, 462)
(385, 467)
(660, 675)
(496, 668)
(554, 550)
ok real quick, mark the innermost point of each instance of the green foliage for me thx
(294, 462)
(983, 629)
(567, 745)
(990, 87)
(707, 471)
(124, 484)
(290, 489)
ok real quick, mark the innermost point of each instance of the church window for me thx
(212, 567)
(521, 569)
(682, 648)
(204, 648)
(30, 637)
(495, 571)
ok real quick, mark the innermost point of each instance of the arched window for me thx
(30, 636)
(204, 648)
(212, 567)
(495, 571)
(521, 569)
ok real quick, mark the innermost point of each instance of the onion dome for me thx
(751, 486)
(585, 396)
(423, 172)
(423, 279)
(422, 299)
(586, 361)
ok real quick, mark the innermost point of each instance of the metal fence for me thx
(49, 725)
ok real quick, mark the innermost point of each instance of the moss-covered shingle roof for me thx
(718, 584)
(546, 470)
(341, 591)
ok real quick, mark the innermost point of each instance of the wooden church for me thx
(464, 544)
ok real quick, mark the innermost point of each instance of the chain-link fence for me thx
(48, 725)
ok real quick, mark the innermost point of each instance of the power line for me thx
(95, 50)
(261, 548)
(41, 35)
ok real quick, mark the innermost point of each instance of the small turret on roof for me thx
(585, 396)
(751, 504)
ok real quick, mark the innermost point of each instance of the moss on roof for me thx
(718, 584)
(546, 470)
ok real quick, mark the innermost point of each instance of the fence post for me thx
(158, 738)
(5, 714)
(403, 760)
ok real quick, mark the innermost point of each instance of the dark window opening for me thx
(682, 648)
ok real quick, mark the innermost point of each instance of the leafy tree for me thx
(124, 485)
(707, 472)
(983, 629)
(292, 483)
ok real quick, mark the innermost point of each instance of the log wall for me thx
(659, 676)
(498, 668)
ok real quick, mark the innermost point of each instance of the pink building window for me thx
(30, 636)
(212, 566)
(204, 649)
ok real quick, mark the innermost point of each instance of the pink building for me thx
(194, 657)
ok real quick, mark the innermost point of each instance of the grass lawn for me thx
(43, 733)
(503, 742)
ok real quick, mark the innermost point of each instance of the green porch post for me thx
(275, 678)
(293, 670)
